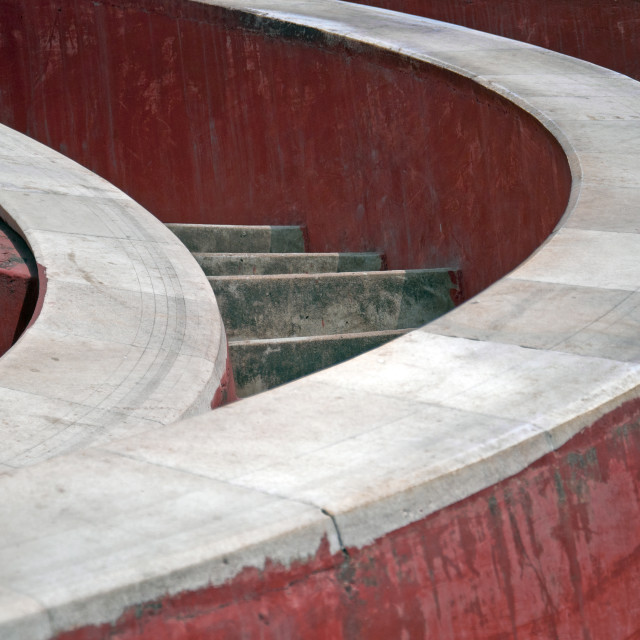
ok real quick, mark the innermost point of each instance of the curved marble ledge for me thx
(385, 439)
(399, 432)
(128, 337)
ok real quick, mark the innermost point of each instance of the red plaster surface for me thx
(552, 552)
(18, 286)
(602, 32)
(226, 391)
(203, 115)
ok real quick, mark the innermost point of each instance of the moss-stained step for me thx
(244, 264)
(288, 313)
(331, 303)
(217, 238)
(259, 365)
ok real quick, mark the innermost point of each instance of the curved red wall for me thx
(602, 32)
(18, 286)
(205, 115)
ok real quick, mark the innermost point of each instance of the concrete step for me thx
(219, 264)
(288, 313)
(216, 238)
(273, 306)
(259, 365)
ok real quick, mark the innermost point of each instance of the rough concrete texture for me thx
(330, 303)
(457, 473)
(259, 365)
(203, 238)
(244, 264)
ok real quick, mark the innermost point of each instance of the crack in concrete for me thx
(343, 548)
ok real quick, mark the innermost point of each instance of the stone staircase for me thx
(288, 313)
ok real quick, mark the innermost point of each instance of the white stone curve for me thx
(389, 437)
(129, 336)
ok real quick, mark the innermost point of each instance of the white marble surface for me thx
(129, 336)
(378, 442)
(86, 545)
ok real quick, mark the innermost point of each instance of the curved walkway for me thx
(344, 457)
(128, 337)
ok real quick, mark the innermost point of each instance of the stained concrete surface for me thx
(330, 303)
(244, 264)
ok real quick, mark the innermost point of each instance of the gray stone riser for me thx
(324, 304)
(219, 264)
(259, 365)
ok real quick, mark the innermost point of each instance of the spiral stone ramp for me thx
(476, 478)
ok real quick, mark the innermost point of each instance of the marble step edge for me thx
(250, 264)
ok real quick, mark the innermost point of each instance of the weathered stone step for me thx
(259, 365)
(322, 304)
(219, 264)
(216, 238)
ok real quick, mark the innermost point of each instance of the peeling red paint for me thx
(255, 604)
(552, 552)
(203, 116)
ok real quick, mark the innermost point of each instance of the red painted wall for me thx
(204, 115)
(226, 391)
(604, 32)
(18, 286)
(551, 553)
